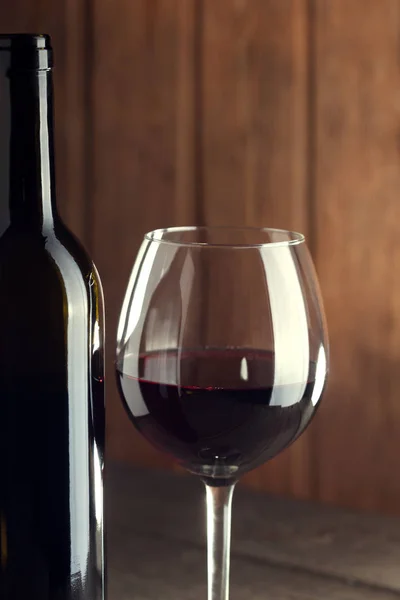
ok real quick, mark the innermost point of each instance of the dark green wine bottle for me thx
(51, 356)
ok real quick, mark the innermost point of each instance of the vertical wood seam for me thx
(88, 125)
(311, 128)
(198, 61)
(314, 470)
(70, 115)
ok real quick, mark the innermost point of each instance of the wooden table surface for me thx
(281, 549)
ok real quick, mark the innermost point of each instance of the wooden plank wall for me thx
(275, 112)
(356, 183)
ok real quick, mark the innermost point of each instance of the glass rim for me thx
(296, 239)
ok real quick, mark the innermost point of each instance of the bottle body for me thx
(51, 380)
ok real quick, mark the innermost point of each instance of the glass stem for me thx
(219, 503)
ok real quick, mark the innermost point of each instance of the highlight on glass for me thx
(222, 357)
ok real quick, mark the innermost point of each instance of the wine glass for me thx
(222, 357)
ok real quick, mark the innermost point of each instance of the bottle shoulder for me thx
(72, 259)
(61, 239)
(46, 258)
(19, 243)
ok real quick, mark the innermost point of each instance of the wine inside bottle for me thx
(51, 356)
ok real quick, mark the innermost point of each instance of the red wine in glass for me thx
(220, 415)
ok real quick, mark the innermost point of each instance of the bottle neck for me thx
(27, 185)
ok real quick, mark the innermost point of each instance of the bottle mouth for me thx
(12, 41)
(27, 51)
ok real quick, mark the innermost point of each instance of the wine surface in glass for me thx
(218, 412)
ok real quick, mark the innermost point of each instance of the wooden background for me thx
(261, 112)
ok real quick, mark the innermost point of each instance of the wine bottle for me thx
(51, 356)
